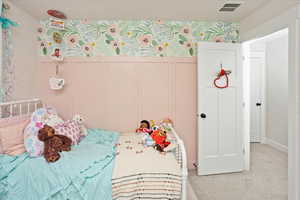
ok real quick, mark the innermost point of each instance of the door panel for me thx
(220, 144)
(227, 105)
(210, 109)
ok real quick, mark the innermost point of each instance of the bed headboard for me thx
(22, 107)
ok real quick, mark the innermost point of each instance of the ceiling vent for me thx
(230, 6)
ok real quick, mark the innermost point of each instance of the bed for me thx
(127, 171)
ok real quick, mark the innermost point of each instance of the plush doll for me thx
(152, 123)
(160, 138)
(154, 126)
(147, 140)
(144, 127)
(146, 131)
(53, 144)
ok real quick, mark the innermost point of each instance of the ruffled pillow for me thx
(39, 118)
(71, 129)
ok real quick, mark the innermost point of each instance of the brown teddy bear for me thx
(53, 143)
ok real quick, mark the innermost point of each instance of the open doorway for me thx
(266, 77)
(268, 63)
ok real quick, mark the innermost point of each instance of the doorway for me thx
(267, 100)
(268, 76)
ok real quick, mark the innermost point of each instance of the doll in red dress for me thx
(160, 138)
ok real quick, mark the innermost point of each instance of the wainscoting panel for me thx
(117, 92)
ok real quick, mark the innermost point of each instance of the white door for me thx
(256, 101)
(220, 132)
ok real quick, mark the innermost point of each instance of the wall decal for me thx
(133, 38)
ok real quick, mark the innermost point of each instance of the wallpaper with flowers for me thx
(132, 38)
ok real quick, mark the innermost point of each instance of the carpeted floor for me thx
(267, 179)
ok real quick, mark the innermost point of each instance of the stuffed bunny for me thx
(78, 118)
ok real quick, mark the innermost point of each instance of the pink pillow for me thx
(4, 122)
(11, 137)
(69, 128)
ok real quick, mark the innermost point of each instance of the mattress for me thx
(144, 173)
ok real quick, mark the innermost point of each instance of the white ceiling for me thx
(140, 9)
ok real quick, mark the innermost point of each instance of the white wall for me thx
(277, 90)
(25, 52)
(268, 11)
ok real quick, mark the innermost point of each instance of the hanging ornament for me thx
(55, 82)
(57, 14)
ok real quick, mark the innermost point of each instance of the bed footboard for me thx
(181, 157)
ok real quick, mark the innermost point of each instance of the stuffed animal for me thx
(146, 132)
(53, 144)
(167, 121)
(152, 123)
(80, 120)
(160, 138)
(147, 140)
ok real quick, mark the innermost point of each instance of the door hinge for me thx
(244, 151)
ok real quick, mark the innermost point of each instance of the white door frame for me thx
(291, 20)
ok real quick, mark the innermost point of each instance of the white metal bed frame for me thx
(23, 107)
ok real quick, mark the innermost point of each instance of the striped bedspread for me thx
(143, 173)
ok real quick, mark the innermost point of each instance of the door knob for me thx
(258, 104)
(203, 115)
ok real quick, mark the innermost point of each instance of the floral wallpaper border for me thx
(132, 38)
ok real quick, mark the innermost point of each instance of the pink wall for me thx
(117, 92)
(25, 49)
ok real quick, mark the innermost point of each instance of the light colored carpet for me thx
(190, 192)
(267, 179)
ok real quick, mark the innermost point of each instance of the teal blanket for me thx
(84, 173)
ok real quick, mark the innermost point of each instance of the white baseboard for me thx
(276, 145)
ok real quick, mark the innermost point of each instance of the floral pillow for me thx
(71, 129)
(39, 118)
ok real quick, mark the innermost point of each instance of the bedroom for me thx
(123, 64)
